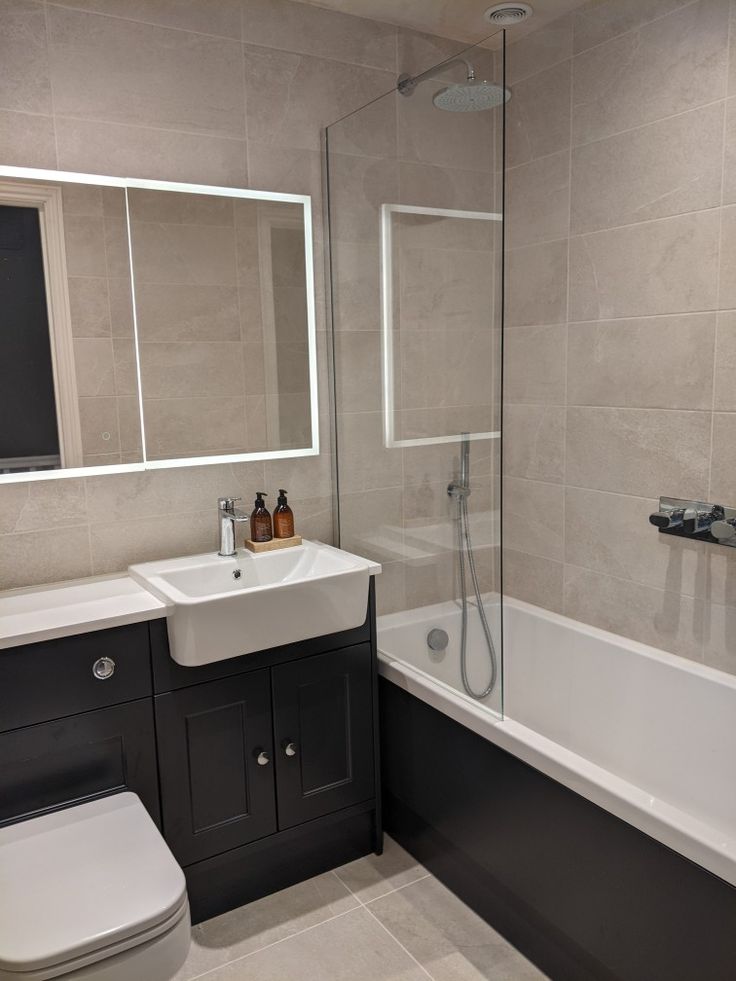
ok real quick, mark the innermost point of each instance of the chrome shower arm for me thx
(407, 83)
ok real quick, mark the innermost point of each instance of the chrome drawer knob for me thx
(290, 749)
(103, 668)
(263, 759)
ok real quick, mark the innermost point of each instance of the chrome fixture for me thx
(228, 516)
(474, 96)
(459, 491)
(103, 668)
(437, 640)
(262, 757)
(712, 523)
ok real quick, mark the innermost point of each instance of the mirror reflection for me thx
(68, 393)
(146, 324)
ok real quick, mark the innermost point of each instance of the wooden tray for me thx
(274, 544)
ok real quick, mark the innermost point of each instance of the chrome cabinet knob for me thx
(263, 759)
(723, 530)
(290, 749)
(103, 668)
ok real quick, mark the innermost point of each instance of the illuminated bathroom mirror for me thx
(148, 324)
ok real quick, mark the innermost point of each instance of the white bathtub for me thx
(648, 736)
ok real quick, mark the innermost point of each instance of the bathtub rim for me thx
(703, 844)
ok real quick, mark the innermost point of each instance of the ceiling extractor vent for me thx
(508, 14)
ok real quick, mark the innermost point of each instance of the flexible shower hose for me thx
(465, 545)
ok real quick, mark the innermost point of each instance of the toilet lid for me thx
(81, 879)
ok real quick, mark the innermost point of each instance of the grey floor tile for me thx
(375, 875)
(353, 947)
(244, 930)
(447, 938)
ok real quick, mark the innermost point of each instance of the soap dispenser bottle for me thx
(283, 518)
(260, 520)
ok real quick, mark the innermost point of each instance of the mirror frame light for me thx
(387, 320)
(35, 174)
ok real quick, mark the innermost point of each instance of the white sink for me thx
(225, 607)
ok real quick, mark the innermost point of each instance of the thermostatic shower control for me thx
(713, 523)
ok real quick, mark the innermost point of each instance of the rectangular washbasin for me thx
(224, 607)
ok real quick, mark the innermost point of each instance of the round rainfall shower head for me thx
(471, 97)
(508, 14)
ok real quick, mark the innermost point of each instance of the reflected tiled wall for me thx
(233, 92)
(620, 341)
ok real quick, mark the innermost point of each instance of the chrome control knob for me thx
(290, 749)
(103, 668)
(263, 759)
(724, 530)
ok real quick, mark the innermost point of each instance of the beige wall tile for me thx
(655, 362)
(446, 139)
(536, 278)
(136, 151)
(535, 364)
(725, 363)
(533, 579)
(117, 545)
(720, 576)
(534, 442)
(27, 140)
(94, 366)
(359, 379)
(291, 96)
(539, 50)
(366, 464)
(720, 629)
(324, 33)
(89, 305)
(44, 556)
(619, 84)
(732, 53)
(538, 200)
(191, 369)
(668, 167)
(533, 517)
(729, 171)
(42, 504)
(276, 168)
(727, 291)
(610, 533)
(179, 427)
(431, 186)
(371, 523)
(24, 73)
(661, 618)
(201, 16)
(538, 116)
(391, 588)
(639, 451)
(361, 185)
(202, 255)
(98, 419)
(600, 21)
(665, 266)
(723, 464)
(187, 312)
(84, 240)
(123, 72)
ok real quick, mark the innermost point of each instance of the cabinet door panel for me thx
(215, 795)
(323, 728)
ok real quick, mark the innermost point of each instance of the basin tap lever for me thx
(228, 516)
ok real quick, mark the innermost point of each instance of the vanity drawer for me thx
(56, 678)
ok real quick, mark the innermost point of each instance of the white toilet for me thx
(91, 893)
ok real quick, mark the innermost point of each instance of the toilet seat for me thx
(84, 885)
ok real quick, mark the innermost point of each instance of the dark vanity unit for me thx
(260, 770)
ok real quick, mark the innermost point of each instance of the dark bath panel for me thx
(583, 894)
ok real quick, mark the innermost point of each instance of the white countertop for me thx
(38, 613)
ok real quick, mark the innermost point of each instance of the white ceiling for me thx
(461, 20)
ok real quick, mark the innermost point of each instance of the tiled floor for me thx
(372, 920)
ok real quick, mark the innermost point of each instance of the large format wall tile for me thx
(664, 168)
(534, 442)
(533, 517)
(727, 291)
(610, 533)
(725, 375)
(124, 72)
(539, 50)
(662, 618)
(535, 364)
(42, 556)
(665, 266)
(201, 16)
(538, 116)
(677, 63)
(602, 20)
(24, 74)
(533, 579)
(646, 452)
(652, 362)
(27, 140)
(723, 466)
(538, 200)
(293, 26)
(536, 284)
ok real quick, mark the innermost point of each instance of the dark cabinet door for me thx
(216, 765)
(323, 733)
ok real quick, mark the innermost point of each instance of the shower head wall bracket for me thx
(407, 83)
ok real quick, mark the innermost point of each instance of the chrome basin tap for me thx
(228, 516)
